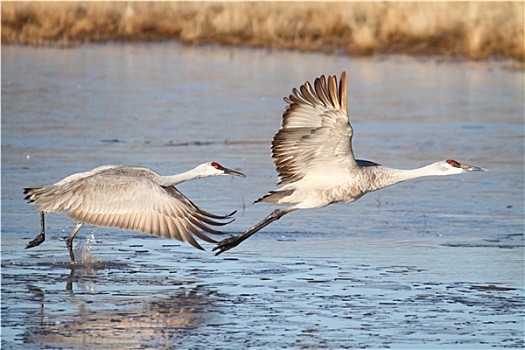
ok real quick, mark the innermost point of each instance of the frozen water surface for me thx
(434, 263)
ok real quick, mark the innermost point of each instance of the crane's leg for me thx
(69, 241)
(41, 236)
(234, 241)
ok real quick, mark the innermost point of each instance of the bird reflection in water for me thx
(131, 322)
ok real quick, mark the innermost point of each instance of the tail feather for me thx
(50, 199)
(274, 196)
(30, 193)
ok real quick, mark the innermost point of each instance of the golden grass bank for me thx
(476, 30)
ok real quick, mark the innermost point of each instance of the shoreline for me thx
(475, 31)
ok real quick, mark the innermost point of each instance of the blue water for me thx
(434, 263)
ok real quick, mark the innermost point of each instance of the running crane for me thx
(313, 156)
(130, 198)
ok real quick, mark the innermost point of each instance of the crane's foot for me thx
(41, 236)
(37, 241)
(227, 244)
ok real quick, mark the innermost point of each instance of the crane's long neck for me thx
(380, 177)
(173, 180)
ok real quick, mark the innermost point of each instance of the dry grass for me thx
(473, 29)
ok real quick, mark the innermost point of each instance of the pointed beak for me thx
(469, 168)
(232, 172)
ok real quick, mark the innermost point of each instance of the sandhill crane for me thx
(313, 156)
(130, 198)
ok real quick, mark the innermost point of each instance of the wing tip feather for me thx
(342, 90)
(329, 87)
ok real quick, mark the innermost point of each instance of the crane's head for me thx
(451, 167)
(215, 169)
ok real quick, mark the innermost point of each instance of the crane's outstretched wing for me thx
(315, 135)
(130, 203)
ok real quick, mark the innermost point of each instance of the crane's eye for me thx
(454, 163)
(216, 165)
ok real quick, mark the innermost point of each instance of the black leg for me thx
(234, 241)
(69, 241)
(41, 236)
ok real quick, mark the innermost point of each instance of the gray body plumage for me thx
(313, 156)
(132, 198)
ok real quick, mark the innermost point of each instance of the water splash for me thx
(83, 251)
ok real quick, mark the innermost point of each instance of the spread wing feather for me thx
(131, 203)
(315, 135)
